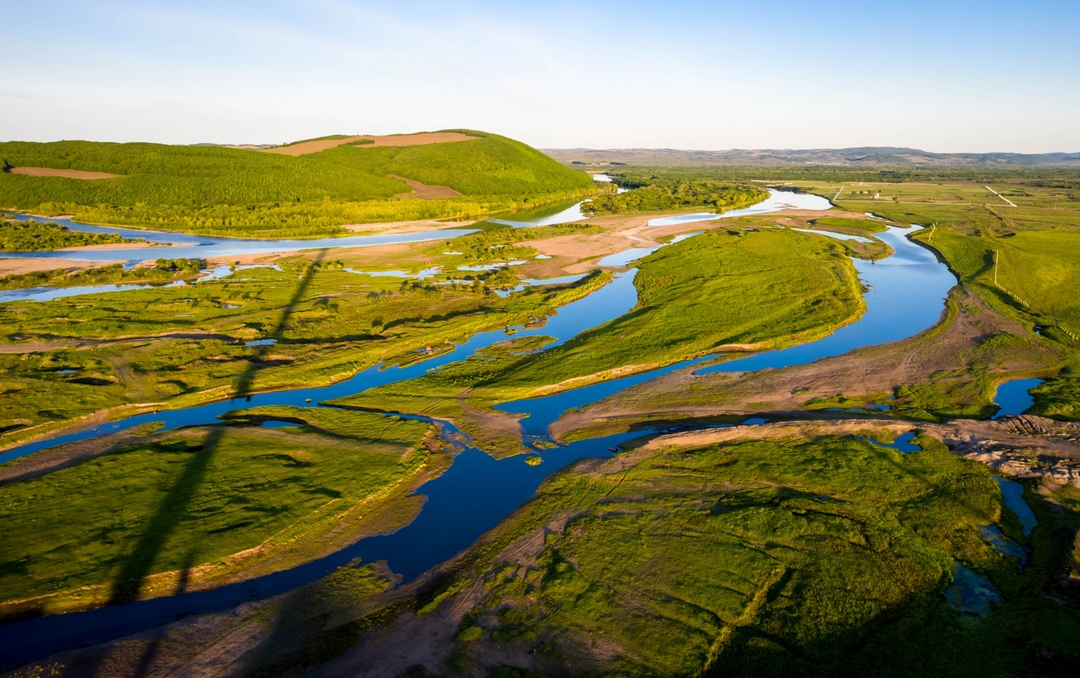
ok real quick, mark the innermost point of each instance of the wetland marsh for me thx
(580, 416)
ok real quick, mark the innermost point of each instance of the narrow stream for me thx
(180, 246)
(478, 491)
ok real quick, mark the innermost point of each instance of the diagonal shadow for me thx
(136, 567)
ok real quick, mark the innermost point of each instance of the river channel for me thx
(904, 296)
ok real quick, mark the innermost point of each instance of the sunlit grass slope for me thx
(223, 191)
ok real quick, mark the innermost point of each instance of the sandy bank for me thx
(416, 226)
(31, 264)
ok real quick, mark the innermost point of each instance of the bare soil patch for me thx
(417, 226)
(63, 173)
(423, 191)
(306, 147)
(18, 266)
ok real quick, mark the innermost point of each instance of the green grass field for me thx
(173, 347)
(824, 556)
(164, 271)
(195, 498)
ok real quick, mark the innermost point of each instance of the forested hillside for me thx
(224, 191)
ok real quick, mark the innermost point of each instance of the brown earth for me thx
(115, 246)
(415, 226)
(64, 173)
(31, 264)
(306, 147)
(423, 191)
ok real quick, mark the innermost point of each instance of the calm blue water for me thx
(971, 593)
(777, 200)
(627, 257)
(1012, 493)
(1004, 545)
(903, 443)
(1012, 397)
(39, 294)
(836, 236)
(547, 216)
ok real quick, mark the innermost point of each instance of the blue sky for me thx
(944, 76)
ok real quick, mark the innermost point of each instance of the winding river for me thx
(904, 297)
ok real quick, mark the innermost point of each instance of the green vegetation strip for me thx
(655, 193)
(33, 236)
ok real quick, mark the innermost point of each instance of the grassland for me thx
(33, 236)
(847, 225)
(741, 289)
(1020, 260)
(763, 554)
(806, 556)
(231, 192)
(77, 358)
(816, 554)
(786, 557)
(205, 506)
(1013, 316)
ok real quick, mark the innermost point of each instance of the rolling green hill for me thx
(223, 191)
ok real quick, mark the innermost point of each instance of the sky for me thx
(945, 76)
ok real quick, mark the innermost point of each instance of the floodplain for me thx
(729, 472)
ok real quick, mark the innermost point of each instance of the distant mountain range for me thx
(868, 156)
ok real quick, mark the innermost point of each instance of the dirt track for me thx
(423, 191)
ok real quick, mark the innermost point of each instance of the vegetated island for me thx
(35, 236)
